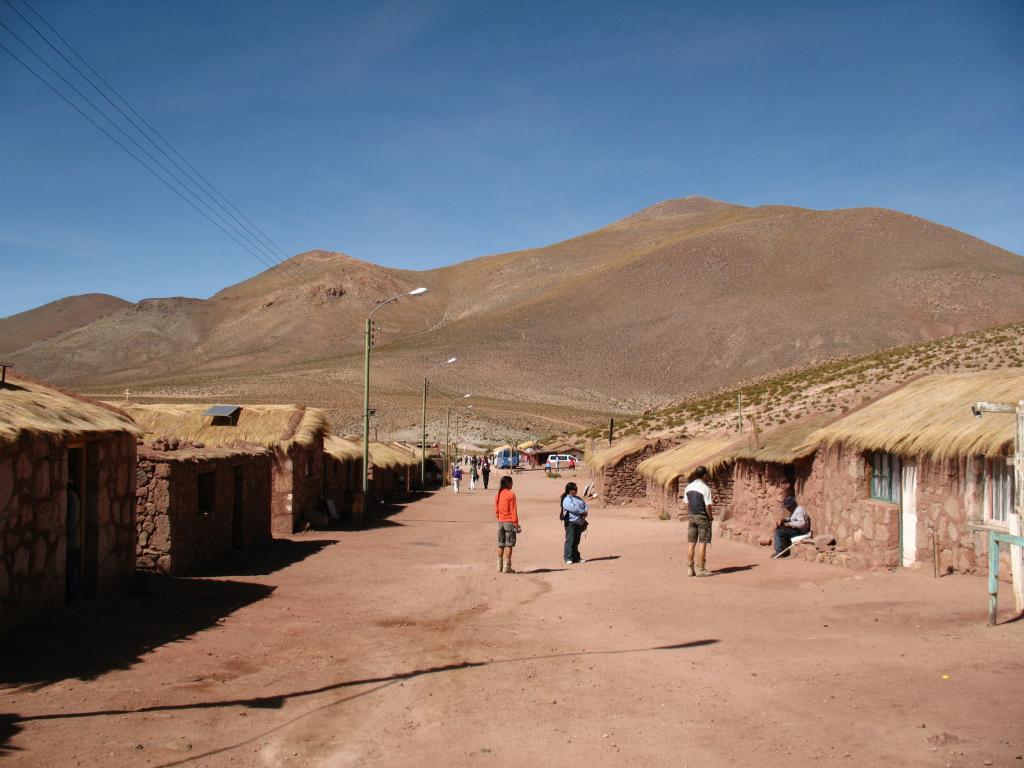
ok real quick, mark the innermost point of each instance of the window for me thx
(207, 482)
(885, 477)
(998, 490)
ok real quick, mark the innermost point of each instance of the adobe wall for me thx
(670, 500)
(297, 487)
(758, 489)
(342, 486)
(172, 536)
(33, 523)
(621, 483)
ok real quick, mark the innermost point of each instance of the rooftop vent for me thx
(224, 415)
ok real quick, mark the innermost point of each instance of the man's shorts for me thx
(699, 529)
(506, 534)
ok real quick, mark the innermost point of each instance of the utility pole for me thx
(739, 412)
(611, 430)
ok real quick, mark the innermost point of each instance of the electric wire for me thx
(114, 139)
(247, 242)
(206, 187)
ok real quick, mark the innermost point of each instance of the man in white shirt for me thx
(796, 523)
(698, 500)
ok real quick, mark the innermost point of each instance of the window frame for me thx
(885, 468)
(1005, 497)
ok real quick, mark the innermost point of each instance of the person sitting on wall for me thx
(796, 523)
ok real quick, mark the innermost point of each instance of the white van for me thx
(559, 460)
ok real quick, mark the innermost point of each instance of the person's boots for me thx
(699, 570)
(500, 565)
(507, 566)
(689, 569)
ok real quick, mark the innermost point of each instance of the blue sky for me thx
(424, 133)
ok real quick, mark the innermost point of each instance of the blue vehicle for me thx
(506, 458)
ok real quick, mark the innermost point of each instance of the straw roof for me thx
(272, 426)
(28, 407)
(616, 452)
(342, 448)
(785, 444)
(932, 416)
(384, 455)
(391, 455)
(529, 445)
(712, 452)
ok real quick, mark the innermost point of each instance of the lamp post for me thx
(1013, 522)
(423, 443)
(366, 386)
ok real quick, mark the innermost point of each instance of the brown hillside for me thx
(26, 328)
(686, 296)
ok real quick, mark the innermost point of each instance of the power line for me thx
(251, 243)
(250, 227)
(114, 139)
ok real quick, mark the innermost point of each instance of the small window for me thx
(998, 490)
(207, 482)
(885, 477)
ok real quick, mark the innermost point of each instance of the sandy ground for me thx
(400, 645)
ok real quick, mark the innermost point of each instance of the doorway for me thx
(238, 509)
(908, 514)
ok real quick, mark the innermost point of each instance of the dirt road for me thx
(400, 645)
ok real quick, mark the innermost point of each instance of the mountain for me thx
(683, 297)
(45, 322)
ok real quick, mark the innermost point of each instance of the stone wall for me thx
(33, 523)
(342, 486)
(298, 486)
(621, 483)
(670, 500)
(758, 490)
(173, 535)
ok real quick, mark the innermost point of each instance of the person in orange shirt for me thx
(507, 511)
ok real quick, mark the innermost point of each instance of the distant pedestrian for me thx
(573, 514)
(474, 475)
(796, 523)
(506, 509)
(485, 470)
(698, 499)
(456, 477)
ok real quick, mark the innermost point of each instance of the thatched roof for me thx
(385, 455)
(391, 455)
(616, 452)
(28, 407)
(712, 452)
(529, 445)
(343, 448)
(782, 445)
(272, 426)
(932, 417)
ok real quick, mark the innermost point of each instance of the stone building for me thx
(198, 505)
(915, 473)
(52, 444)
(666, 474)
(293, 433)
(613, 470)
(765, 468)
(343, 464)
(394, 471)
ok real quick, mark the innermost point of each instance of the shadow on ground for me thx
(11, 724)
(103, 636)
(275, 555)
(734, 569)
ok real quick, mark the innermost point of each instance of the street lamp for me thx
(366, 386)
(423, 443)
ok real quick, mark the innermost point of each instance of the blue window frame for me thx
(885, 477)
